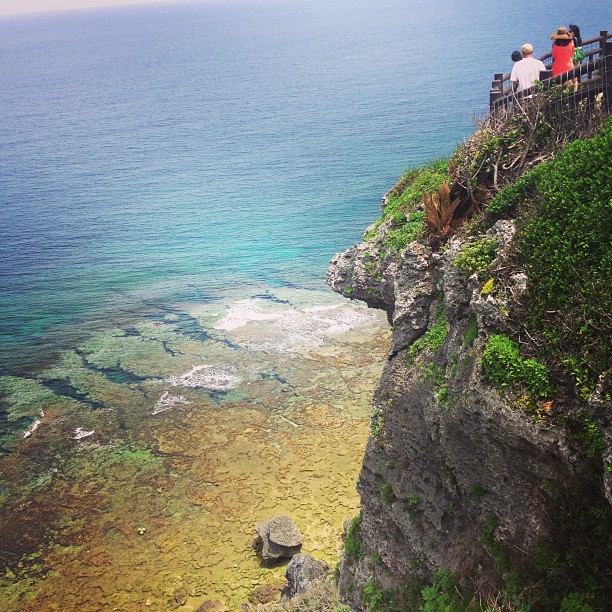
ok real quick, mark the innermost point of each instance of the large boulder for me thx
(302, 571)
(278, 538)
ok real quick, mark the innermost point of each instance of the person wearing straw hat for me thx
(527, 70)
(562, 51)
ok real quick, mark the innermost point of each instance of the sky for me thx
(17, 7)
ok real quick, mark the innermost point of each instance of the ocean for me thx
(174, 180)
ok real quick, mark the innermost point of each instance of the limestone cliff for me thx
(456, 476)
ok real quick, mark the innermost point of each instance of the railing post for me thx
(545, 74)
(496, 93)
(606, 51)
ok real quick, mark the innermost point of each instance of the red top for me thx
(562, 58)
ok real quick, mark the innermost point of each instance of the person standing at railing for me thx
(527, 71)
(562, 52)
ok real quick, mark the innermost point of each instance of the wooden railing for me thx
(593, 78)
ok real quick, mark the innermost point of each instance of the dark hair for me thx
(517, 56)
(576, 31)
(562, 42)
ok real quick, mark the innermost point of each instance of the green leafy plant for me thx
(352, 544)
(444, 594)
(398, 239)
(472, 332)
(387, 495)
(476, 490)
(594, 437)
(372, 597)
(563, 244)
(504, 367)
(576, 602)
(476, 256)
(375, 559)
(376, 422)
(407, 194)
(491, 544)
(433, 339)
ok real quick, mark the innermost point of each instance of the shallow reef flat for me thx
(158, 448)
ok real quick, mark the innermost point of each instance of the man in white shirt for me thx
(525, 72)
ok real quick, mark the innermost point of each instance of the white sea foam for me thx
(206, 377)
(34, 426)
(261, 325)
(80, 433)
(244, 311)
(167, 401)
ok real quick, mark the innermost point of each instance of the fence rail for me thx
(591, 80)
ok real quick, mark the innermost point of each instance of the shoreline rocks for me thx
(278, 538)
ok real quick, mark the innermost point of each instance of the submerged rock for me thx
(212, 605)
(302, 571)
(278, 538)
(267, 594)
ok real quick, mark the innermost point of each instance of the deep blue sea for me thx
(211, 151)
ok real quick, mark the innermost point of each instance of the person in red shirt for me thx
(562, 51)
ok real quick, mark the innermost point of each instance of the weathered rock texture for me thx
(301, 572)
(278, 538)
(450, 464)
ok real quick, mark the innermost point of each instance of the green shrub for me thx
(372, 597)
(386, 493)
(352, 545)
(476, 490)
(492, 545)
(398, 239)
(563, 243)
(407, 194)
(576, 602)
(504, 367)
(476, 256)
(509, 200)
(443, 595)
(472, 332)
(593, 437)
(433, 339)
(376, 422)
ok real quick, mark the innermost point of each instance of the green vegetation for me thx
(476, 490)
(444, 594)
(372, 597)
(433, 339)
(386, 493)
(492, 545)
(563, 243)
(404, 201)
(398, 239)
(504, 367)
(352, 544)
(376, 422)
(593, 437)
(576, 602)
(476, 256)
(375, 559)
(406, 195)
(472, 332)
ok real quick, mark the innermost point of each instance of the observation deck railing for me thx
(590, 81)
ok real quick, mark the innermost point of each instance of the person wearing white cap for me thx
(525, 72)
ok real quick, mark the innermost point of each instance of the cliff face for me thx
(455, 476)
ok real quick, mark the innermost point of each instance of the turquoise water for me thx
(173, 183)
(196, 152)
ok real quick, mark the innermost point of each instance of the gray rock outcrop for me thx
(454, 471)
(301, 572)
(278, 538)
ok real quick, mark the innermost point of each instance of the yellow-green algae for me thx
(153, 511)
